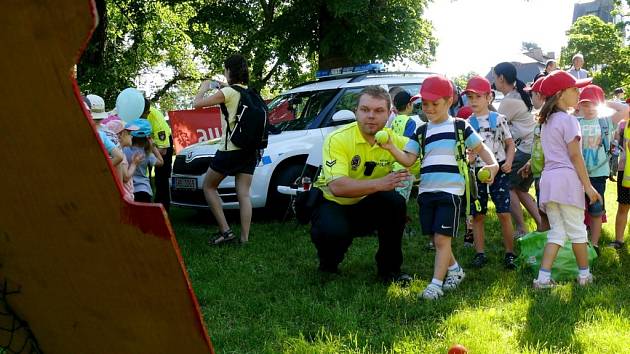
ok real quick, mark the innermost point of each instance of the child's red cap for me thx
(464, 112)
(478, 85)
(435, 87)
(592, 93)
(561, 80)
(536, 86)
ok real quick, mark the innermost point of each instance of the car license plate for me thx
(185, 183)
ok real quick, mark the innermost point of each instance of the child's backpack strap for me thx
(603, 125)
(464, 167)
(474, 122)
(460, 141)
(492, 118)
(421, 133)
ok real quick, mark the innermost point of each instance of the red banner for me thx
(194, 126)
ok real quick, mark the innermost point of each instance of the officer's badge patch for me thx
(356, 161)
(331, 163)
(162, 135)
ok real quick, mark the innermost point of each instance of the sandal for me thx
(617, 244)
(222, 237)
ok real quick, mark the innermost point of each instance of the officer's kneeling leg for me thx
(331, 234)
(386, 212)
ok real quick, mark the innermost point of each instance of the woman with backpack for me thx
(516, 106)
(230, 159)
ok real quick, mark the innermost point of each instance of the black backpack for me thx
(252, 129)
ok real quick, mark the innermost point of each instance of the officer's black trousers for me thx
(334, 226)
(162, 175)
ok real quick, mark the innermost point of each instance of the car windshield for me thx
(297, 110)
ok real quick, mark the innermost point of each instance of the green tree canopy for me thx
(462, 80)
(605, 54)
(284, 41)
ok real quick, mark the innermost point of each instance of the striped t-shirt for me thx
(439, 172)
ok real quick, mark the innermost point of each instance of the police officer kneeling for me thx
(358, 186)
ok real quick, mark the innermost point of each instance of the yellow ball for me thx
(483, 175)
(381, 137)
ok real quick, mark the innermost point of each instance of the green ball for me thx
(381, 137)
(484, 175)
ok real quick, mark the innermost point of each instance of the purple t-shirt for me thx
(559, 181)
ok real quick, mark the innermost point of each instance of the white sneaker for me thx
(432, 292)
(585, 281)
(453, 278)
(543, 285)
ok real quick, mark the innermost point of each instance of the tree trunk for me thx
(333, 56)
(93, 54)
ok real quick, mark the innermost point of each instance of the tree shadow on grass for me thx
(267, 296)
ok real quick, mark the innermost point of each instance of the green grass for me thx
(267, 297)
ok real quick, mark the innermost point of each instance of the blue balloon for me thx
(129, 104)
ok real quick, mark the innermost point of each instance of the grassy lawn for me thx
(267, 297)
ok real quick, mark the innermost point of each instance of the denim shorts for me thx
(599, 183)
(517, 181)
(499, 192)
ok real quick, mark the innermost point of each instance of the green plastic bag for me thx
(532, 247)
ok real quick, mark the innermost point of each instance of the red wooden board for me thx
(93, 273)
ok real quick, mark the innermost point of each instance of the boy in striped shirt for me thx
(441, 183)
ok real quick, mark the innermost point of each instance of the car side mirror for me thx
(343, 116)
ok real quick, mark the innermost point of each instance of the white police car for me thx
(315, 109)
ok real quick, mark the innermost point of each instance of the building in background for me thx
(599, 8)
(528, 64)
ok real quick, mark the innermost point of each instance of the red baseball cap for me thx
(561, 80)
(478, 85)
(592, 93)
(536, 86)
(435, 87)
(464, 112)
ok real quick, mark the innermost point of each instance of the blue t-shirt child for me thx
(141, 182)
(595, 156)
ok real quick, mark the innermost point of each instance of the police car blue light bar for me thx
(362, 68)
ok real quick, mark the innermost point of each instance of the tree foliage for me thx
(284, 41)
(605, 54)
(462, 80)
(135, 37)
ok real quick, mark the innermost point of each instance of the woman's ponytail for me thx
(520, 86)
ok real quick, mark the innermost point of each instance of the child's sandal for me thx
(617, 244)
(222, 237)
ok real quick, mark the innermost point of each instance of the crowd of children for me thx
(130, 147)
(552, 133)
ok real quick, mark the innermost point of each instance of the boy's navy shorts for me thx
(439, 213)
(499, 192)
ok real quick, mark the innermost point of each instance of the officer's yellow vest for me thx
(399, 123)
